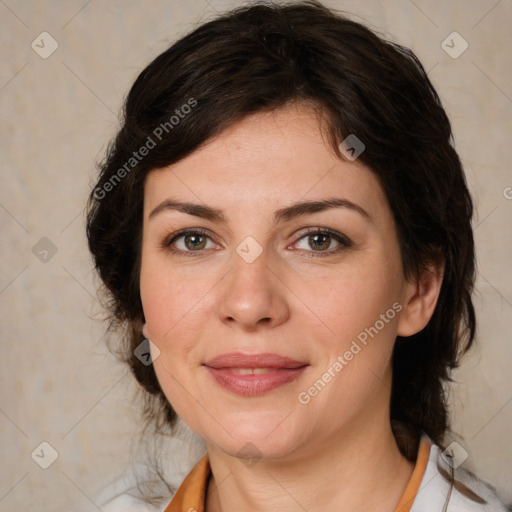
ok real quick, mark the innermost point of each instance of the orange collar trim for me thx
(191, 494)
(409, 495)
(190, 497)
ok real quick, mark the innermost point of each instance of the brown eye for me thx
(319, 242)
(323, 242)
(195, 242)
(190, 241)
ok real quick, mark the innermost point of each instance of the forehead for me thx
(268, 159)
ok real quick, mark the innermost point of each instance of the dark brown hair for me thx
(262, 57)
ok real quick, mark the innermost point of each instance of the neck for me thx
(358, 470)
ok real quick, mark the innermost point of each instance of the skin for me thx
(291, 300)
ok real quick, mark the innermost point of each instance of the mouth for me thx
(253, 374)
(253, 361)
(249, 371)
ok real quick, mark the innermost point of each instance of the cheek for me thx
(359, 316)
(173, 312)
(350, 300)
(176, 306)
(356, 337)
(169, 299)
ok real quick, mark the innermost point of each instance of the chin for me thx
(254, 436)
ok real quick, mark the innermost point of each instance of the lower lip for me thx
(254, 385)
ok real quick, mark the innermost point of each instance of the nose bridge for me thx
(252, 293)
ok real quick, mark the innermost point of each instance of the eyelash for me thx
(344, 241)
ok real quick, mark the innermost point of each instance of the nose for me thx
(253, 296)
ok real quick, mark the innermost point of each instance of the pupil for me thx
(194, 241)
(314, 239)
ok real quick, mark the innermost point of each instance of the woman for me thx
(283, 226)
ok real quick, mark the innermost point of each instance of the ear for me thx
(144, 331)
(420, 300)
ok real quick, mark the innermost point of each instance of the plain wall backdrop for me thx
(59, 383)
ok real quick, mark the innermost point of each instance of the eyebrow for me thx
(283, 214)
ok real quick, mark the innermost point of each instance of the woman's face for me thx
(263, 245)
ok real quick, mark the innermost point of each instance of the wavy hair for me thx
(261, 57)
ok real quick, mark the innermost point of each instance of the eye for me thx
(322, 241)
(191, 240)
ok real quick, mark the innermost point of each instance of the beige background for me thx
(58, 382)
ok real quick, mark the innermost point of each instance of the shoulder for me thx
(123, 494)
(462, 493)
(126, 503)
(146, 486)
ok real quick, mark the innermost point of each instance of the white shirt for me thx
(436, 492)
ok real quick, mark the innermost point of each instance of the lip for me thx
(239, 360)
(281, 370)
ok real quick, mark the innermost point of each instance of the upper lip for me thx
(239, 360)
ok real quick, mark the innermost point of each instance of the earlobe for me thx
(144, 331)
(420, 300)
